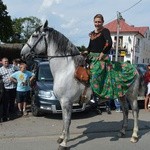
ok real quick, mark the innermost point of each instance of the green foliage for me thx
(82, 48)
(24, 27)
(6, 30)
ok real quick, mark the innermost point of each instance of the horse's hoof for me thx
(134, 139)
(98, 111)
(108, 112)
(120, 135)
(59, 140)
(63, 148)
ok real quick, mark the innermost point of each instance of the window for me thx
(120, 42)
(138, 42)
(143, 60)
(44, 73)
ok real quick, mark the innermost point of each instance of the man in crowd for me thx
(9, 90)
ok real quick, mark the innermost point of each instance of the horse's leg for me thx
(125, 109)
(61, 137)
(135, 112)
(66, 114)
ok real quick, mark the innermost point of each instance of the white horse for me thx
(63, 58)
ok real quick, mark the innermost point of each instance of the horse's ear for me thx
(45, 24)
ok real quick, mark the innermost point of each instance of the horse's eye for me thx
(43, 33)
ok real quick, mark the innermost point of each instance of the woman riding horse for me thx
(109, 80)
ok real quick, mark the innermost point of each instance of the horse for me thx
(63, 58)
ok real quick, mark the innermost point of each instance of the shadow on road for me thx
(103, 129)
(78, 115)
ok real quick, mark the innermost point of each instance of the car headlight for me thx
(45, 94)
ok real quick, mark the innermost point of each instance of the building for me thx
(133, 44)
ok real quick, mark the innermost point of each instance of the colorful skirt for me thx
(108, 79)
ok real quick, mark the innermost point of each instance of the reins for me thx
(50, 57)
(46, 45)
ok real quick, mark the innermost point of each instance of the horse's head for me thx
(48, 42)
(37, 43)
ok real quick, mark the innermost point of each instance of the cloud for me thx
(49, 3)
(69, 24)
(57, 14)
(74, 31)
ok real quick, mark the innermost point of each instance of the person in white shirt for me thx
(9, 89)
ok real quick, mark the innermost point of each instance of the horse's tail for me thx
(142, 85)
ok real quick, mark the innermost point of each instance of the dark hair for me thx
(99, 16)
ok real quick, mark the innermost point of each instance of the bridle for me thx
(32, 50)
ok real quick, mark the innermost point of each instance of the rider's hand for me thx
(101, 56)
(84, 53)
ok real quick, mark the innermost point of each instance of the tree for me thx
(82, 48)
(17, 28)
(29, 25)
(6, 30)
(24, 27)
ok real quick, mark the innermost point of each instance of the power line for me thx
(119, 17)
(125, 10)
(131, 6)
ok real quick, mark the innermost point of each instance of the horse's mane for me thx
(65, 47)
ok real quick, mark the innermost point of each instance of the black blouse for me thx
(100, 42)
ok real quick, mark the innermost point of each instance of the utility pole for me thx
(119, 17)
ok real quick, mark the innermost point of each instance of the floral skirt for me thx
(110, 80)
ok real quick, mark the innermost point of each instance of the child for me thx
(23, 79)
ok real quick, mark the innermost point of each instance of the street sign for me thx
(123, 53)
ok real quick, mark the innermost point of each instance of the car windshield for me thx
(142, 66)
(44, 73)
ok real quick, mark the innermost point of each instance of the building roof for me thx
(11, 45)
(125, 28)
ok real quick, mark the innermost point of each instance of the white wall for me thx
(136, 53)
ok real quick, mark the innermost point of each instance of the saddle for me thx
(82, 74)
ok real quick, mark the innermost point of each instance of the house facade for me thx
(133, 43)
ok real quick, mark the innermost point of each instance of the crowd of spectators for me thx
(13, 77)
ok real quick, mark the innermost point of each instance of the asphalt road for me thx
(88, 132)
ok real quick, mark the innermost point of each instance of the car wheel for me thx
(34, 109)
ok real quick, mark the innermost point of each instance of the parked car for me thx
(43, 98)
(142, 68)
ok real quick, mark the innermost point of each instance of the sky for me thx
(74, 18)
